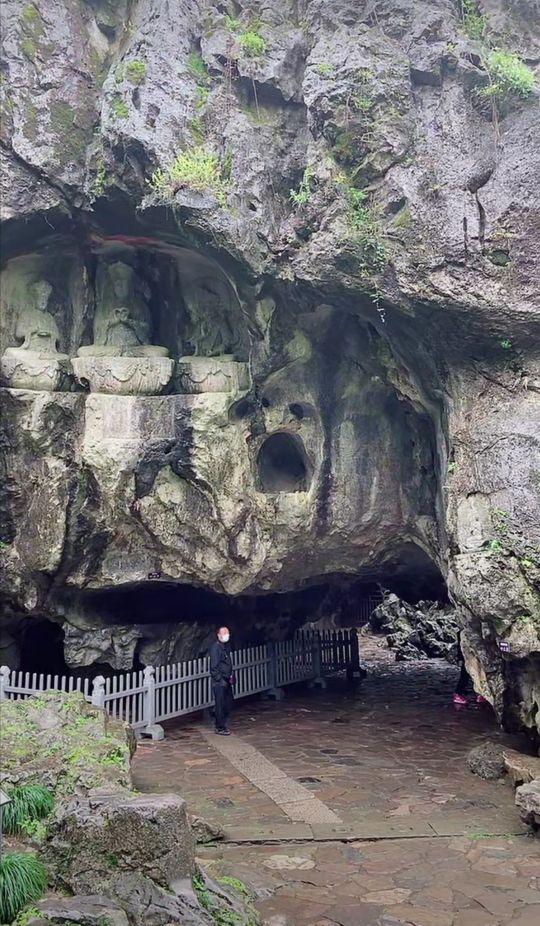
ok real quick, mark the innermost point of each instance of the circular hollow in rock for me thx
(282, 464)
(241, 409)
(297, 410)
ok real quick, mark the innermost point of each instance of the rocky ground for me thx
(359, 808)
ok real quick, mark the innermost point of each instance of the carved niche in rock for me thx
(212, 374)
(36, 363)
(121, 360)
(209, 327)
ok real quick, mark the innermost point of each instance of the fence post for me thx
(4, 681)
(318, 680)
(273, 691)
(354, 669)
(98, 692)
(151, 728)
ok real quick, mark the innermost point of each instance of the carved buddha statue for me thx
(121, 360)
(122, 324)
(36, 363)
(209, 330)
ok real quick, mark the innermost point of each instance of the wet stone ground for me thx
(357, 807)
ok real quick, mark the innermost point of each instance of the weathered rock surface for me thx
(84, 910)
(487, 761)
(136, 849)
(414, 632)
(528, 802)
(521, 768)
(388, 317)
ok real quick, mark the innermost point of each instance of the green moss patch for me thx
(60, 741)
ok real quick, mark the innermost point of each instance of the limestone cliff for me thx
(290, 332)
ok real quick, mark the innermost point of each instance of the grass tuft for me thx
(197, 169)
(23, 879)
(28, 803)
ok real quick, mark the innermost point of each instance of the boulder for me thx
(135, 849)
(528, 802)
(487, 761)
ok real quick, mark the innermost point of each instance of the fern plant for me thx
(28, 803)
(23, 879)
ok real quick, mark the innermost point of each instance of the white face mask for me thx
(224, 638)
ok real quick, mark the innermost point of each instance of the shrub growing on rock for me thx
(197, 169)
(509, 75)
(23, 879)
(252, 44)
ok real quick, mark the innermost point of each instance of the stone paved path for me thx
(387, 760)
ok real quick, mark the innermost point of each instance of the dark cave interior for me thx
(338, 600)
(282, 464)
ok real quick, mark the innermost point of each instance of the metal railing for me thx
(147, 697)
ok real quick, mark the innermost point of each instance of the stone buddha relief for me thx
(121, 359)
(210, 331)
(36, 363)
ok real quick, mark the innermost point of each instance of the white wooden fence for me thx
(146, 698)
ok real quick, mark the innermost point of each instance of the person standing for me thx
(221, 672)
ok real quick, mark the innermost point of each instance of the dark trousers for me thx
(464, 686)
(223, 700)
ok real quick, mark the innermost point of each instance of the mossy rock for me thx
(61, 741)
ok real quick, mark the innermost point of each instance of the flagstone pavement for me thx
(356, 807)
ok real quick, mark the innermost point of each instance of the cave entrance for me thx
(282, 464)
(41, 645)
(158, 623)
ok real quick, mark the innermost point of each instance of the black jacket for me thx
(220, 662)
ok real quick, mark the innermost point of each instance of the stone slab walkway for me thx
(296, 801)
(407, 836)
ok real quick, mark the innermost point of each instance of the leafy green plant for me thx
(136, 71)
(325, 69)
(196, 127)
(494, 546)
(198, 69)
(28, 803)
(198, 169)
(365, 224)
(23, 879)
(302, 195)
(452, 468)
(100, 181)
(234, 25)
(24, 917)
(252, 44)
(120, 108)
(114, 756)
(505, 344)
(474, 22)
(508, 74)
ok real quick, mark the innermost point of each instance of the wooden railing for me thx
(146, 698)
